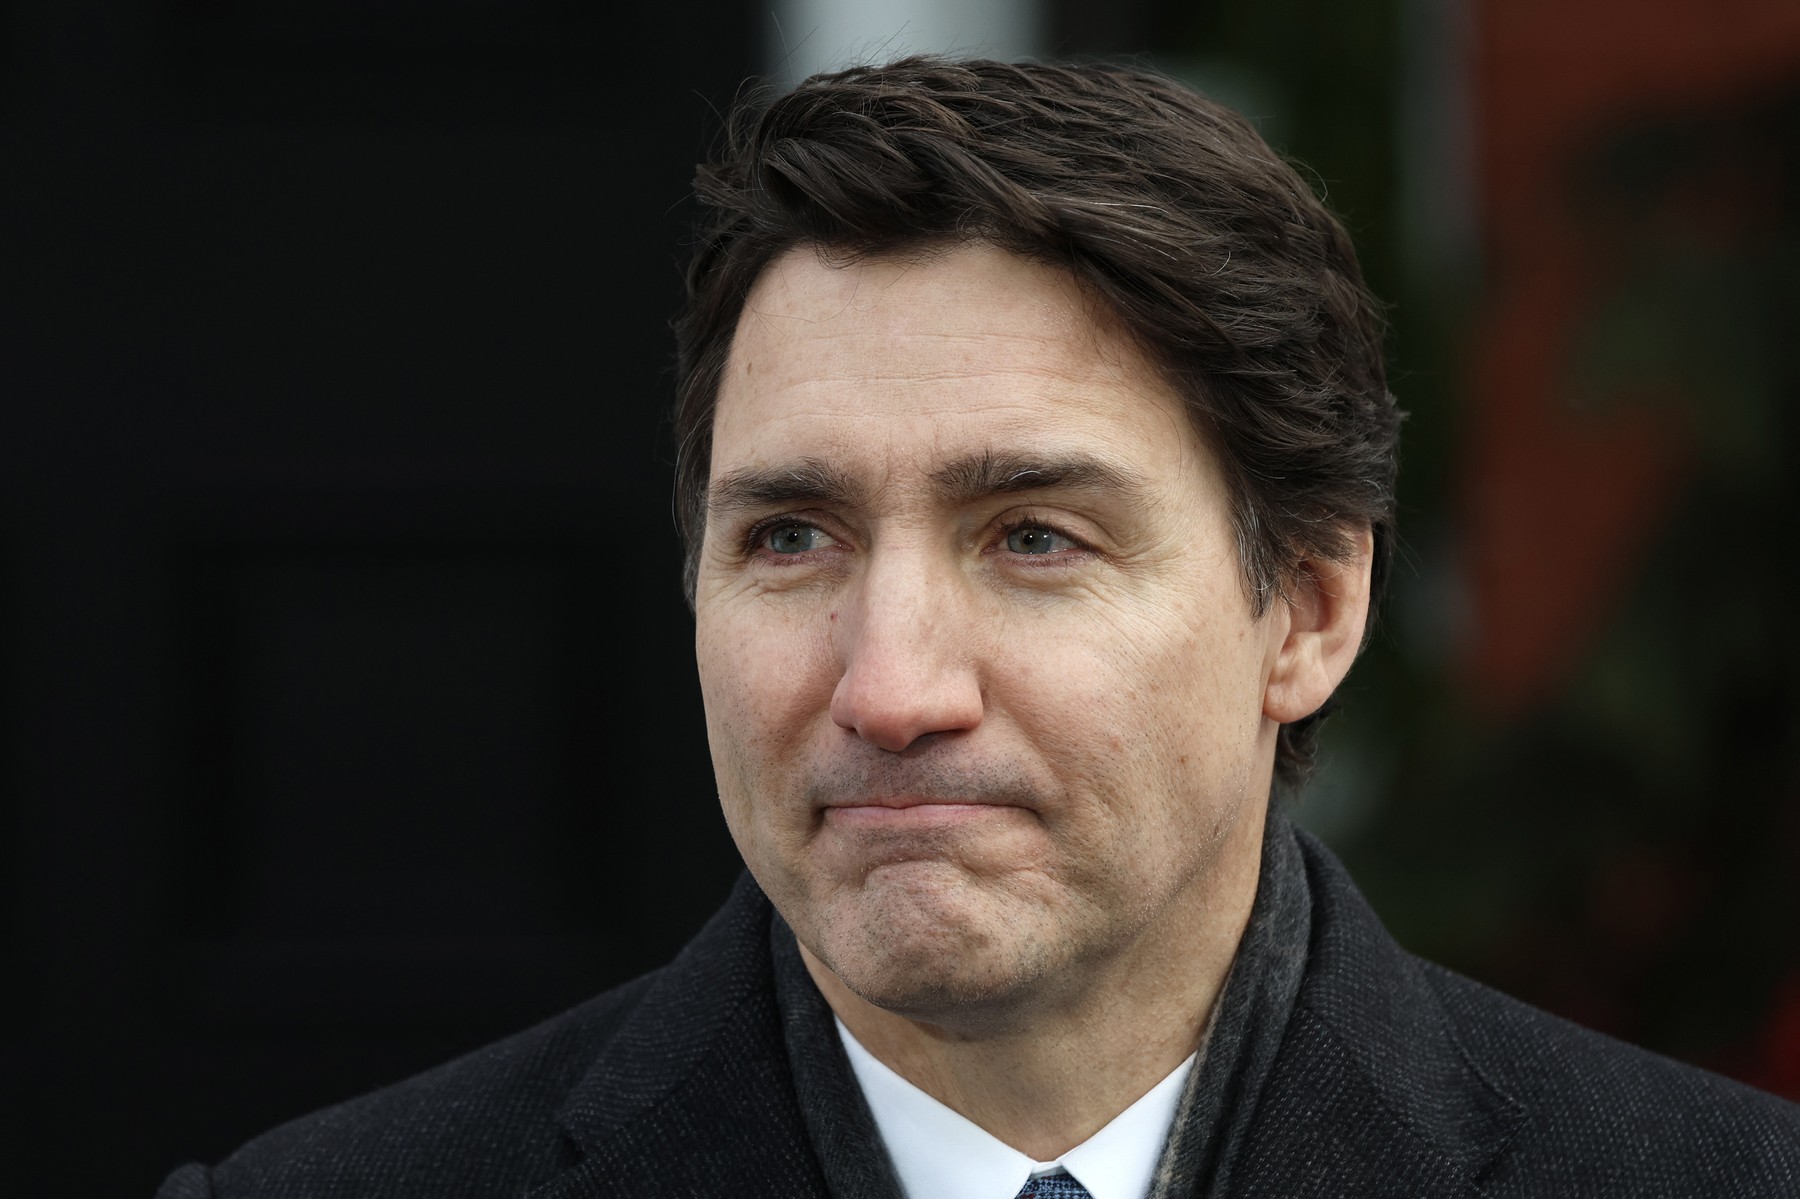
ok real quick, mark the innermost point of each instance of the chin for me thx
(924, 955)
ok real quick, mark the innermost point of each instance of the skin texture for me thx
(992, 723)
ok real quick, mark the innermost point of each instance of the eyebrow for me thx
(803, 481)
(988, 473)
(812, 481)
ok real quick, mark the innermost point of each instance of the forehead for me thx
(924, 357)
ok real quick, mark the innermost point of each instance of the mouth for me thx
(914, 811)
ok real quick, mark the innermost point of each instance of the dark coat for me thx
(1394, 1077)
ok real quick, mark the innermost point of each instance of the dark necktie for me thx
(1054, 1186)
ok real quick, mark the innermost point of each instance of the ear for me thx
(1326, 609)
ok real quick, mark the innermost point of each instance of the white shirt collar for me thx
(940, 1154)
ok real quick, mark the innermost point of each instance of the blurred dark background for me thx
(346, 713)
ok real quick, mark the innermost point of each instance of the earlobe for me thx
(1326, 609)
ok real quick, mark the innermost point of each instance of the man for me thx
(1037, 475)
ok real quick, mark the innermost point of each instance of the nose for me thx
(903, 641)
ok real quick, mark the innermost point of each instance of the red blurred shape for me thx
(1559, 504)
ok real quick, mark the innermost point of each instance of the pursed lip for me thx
(914, 809)
(913, 801)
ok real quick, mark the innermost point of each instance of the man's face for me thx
(984, 692)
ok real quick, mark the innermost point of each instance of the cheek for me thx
(1148, 654)
(764, 682)
(1141, 703)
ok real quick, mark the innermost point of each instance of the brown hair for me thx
(1205, 244)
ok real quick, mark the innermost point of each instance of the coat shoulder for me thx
(483, 1123)
(1605, 1117)
(1411, 1072)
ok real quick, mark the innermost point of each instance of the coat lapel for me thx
(1371, 1093)
(693, 1095)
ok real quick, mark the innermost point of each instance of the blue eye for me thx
(794, 539)
(1035, 539)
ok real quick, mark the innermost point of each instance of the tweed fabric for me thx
(838, 1120)
(1399, 1078)
(676, 1084)
(1392, 1078)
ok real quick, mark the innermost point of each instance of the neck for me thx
(1050, 1078)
